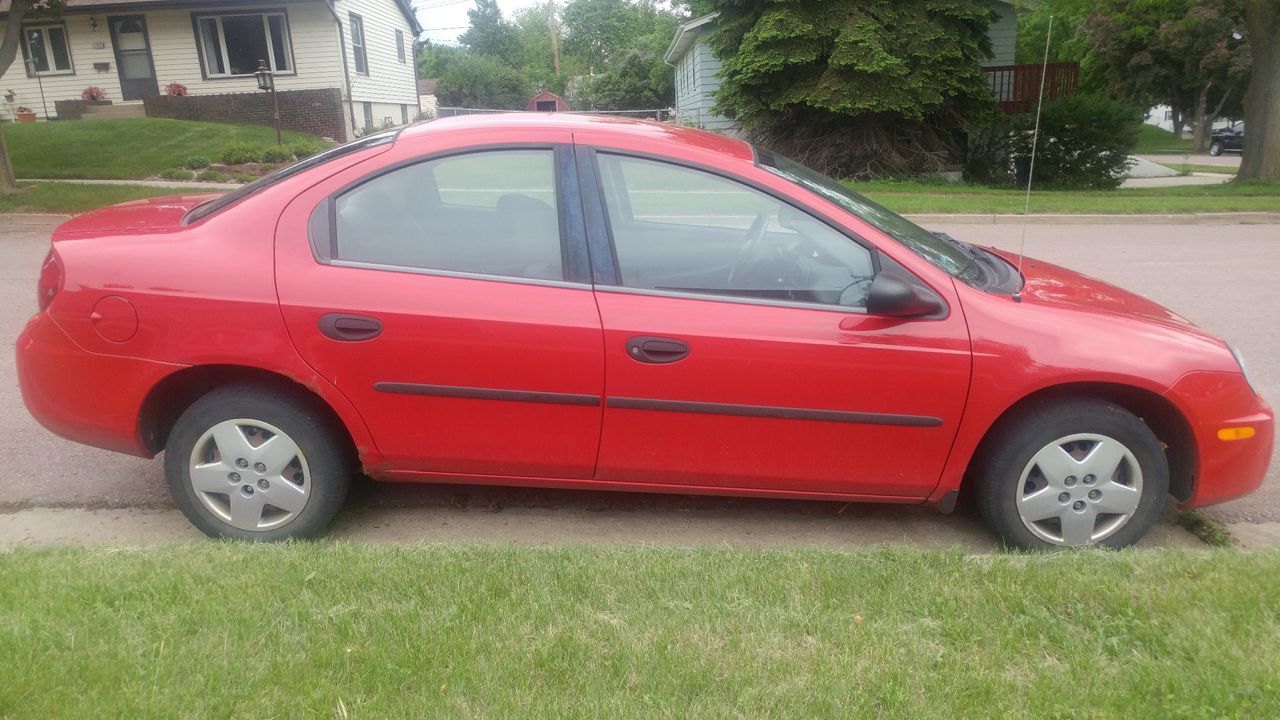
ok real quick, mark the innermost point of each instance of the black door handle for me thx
(349, 328)
(656, 350)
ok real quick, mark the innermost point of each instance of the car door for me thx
(439, 294)
(738, 353)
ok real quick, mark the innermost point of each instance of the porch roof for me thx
(73, 5)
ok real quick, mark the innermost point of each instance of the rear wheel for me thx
(1073, 474)
(1215, 149)
(256, 464)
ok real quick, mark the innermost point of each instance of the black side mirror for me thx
(894, 295)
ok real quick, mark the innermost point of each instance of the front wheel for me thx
(1215, 149)
(1073, 474)
(252, 463)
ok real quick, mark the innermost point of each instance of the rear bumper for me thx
(1225, 469)
(86, 397)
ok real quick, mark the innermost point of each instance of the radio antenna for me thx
(1031, 170)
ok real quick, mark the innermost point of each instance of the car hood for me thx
(138, 216)
(1049, 284)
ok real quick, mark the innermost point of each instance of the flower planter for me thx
(27, 117)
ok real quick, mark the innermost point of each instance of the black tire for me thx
(1016, 442)
(1215, 149)
(318, 441)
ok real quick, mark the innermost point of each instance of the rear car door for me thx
(739, 354)
(440, 292)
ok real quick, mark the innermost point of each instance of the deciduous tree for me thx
(1262, 100)
(19, 10)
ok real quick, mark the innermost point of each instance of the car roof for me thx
(597, 125)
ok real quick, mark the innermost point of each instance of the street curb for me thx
(1236, 218)
(31, 219)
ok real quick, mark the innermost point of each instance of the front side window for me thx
(45, 50)
(489, 213)
(357, 44)
(685, 230)
(232, 45)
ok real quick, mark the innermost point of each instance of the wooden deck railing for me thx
(1016, 87)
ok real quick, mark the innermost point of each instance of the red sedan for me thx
(573, 302)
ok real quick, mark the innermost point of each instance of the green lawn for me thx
(1152, 139)
(915, 197)
(337, 630)
(73, 198)
(124, 148)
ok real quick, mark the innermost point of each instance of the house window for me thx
(368, 116)
(404, 114)
(45, 50)
(358, 47)
(232, 45)
(400, 45)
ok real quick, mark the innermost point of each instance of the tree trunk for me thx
(1200, 133)
(8, 53)
(1262, 101)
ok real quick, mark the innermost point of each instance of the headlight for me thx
(1244, 370)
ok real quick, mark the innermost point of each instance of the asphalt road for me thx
(1223, 277)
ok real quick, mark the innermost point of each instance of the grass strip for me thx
(311, 630)
(55, 197)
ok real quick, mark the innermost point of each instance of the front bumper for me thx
(1225, 469)
(86, 397)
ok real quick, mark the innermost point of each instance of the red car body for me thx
(145, 310)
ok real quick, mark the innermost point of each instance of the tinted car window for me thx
(685, 230)
(492, 213)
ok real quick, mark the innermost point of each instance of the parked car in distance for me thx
(1230, 139)
(563, 301)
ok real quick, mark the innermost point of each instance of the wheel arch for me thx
(170, 397)
(1164, 418)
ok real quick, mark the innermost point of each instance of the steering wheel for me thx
(752, 249)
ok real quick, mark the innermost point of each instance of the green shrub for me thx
(241, 153)
(197, 162)
(304, 150)
(245, 178)
(1085, 142)
(213, 176)
(274, 154)
(176, 174)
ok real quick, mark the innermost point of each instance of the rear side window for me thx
(490, 213)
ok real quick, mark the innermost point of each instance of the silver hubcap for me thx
(1079, 489)
(250, 474)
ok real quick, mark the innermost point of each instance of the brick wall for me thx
(74, 109)
(318, 112)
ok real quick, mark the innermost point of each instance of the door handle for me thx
(349, 328)
(656, 350)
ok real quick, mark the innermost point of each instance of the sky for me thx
(445, 20)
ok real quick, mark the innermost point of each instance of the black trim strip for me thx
(769, 411)
(475, 393)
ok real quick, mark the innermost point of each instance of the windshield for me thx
(206, 209)
(948, 256)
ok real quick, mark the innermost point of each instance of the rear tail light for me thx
(50, 280)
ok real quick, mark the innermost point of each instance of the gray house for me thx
(697, 71)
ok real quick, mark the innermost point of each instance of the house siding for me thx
(1003, 32)
(316, 40)
(697, 80)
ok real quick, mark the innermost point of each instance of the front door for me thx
(738, 353)
(133, 57)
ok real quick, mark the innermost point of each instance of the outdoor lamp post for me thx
(267, 81)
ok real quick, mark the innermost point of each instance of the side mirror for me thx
(893, 295)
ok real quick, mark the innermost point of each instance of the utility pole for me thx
(555, 34)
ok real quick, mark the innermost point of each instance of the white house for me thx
(359, 51)
(697, 70)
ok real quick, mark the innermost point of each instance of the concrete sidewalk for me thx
(198, 188)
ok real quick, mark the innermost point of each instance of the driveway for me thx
(57, 491)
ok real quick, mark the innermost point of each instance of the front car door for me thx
(738, 352)
(440, 294)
